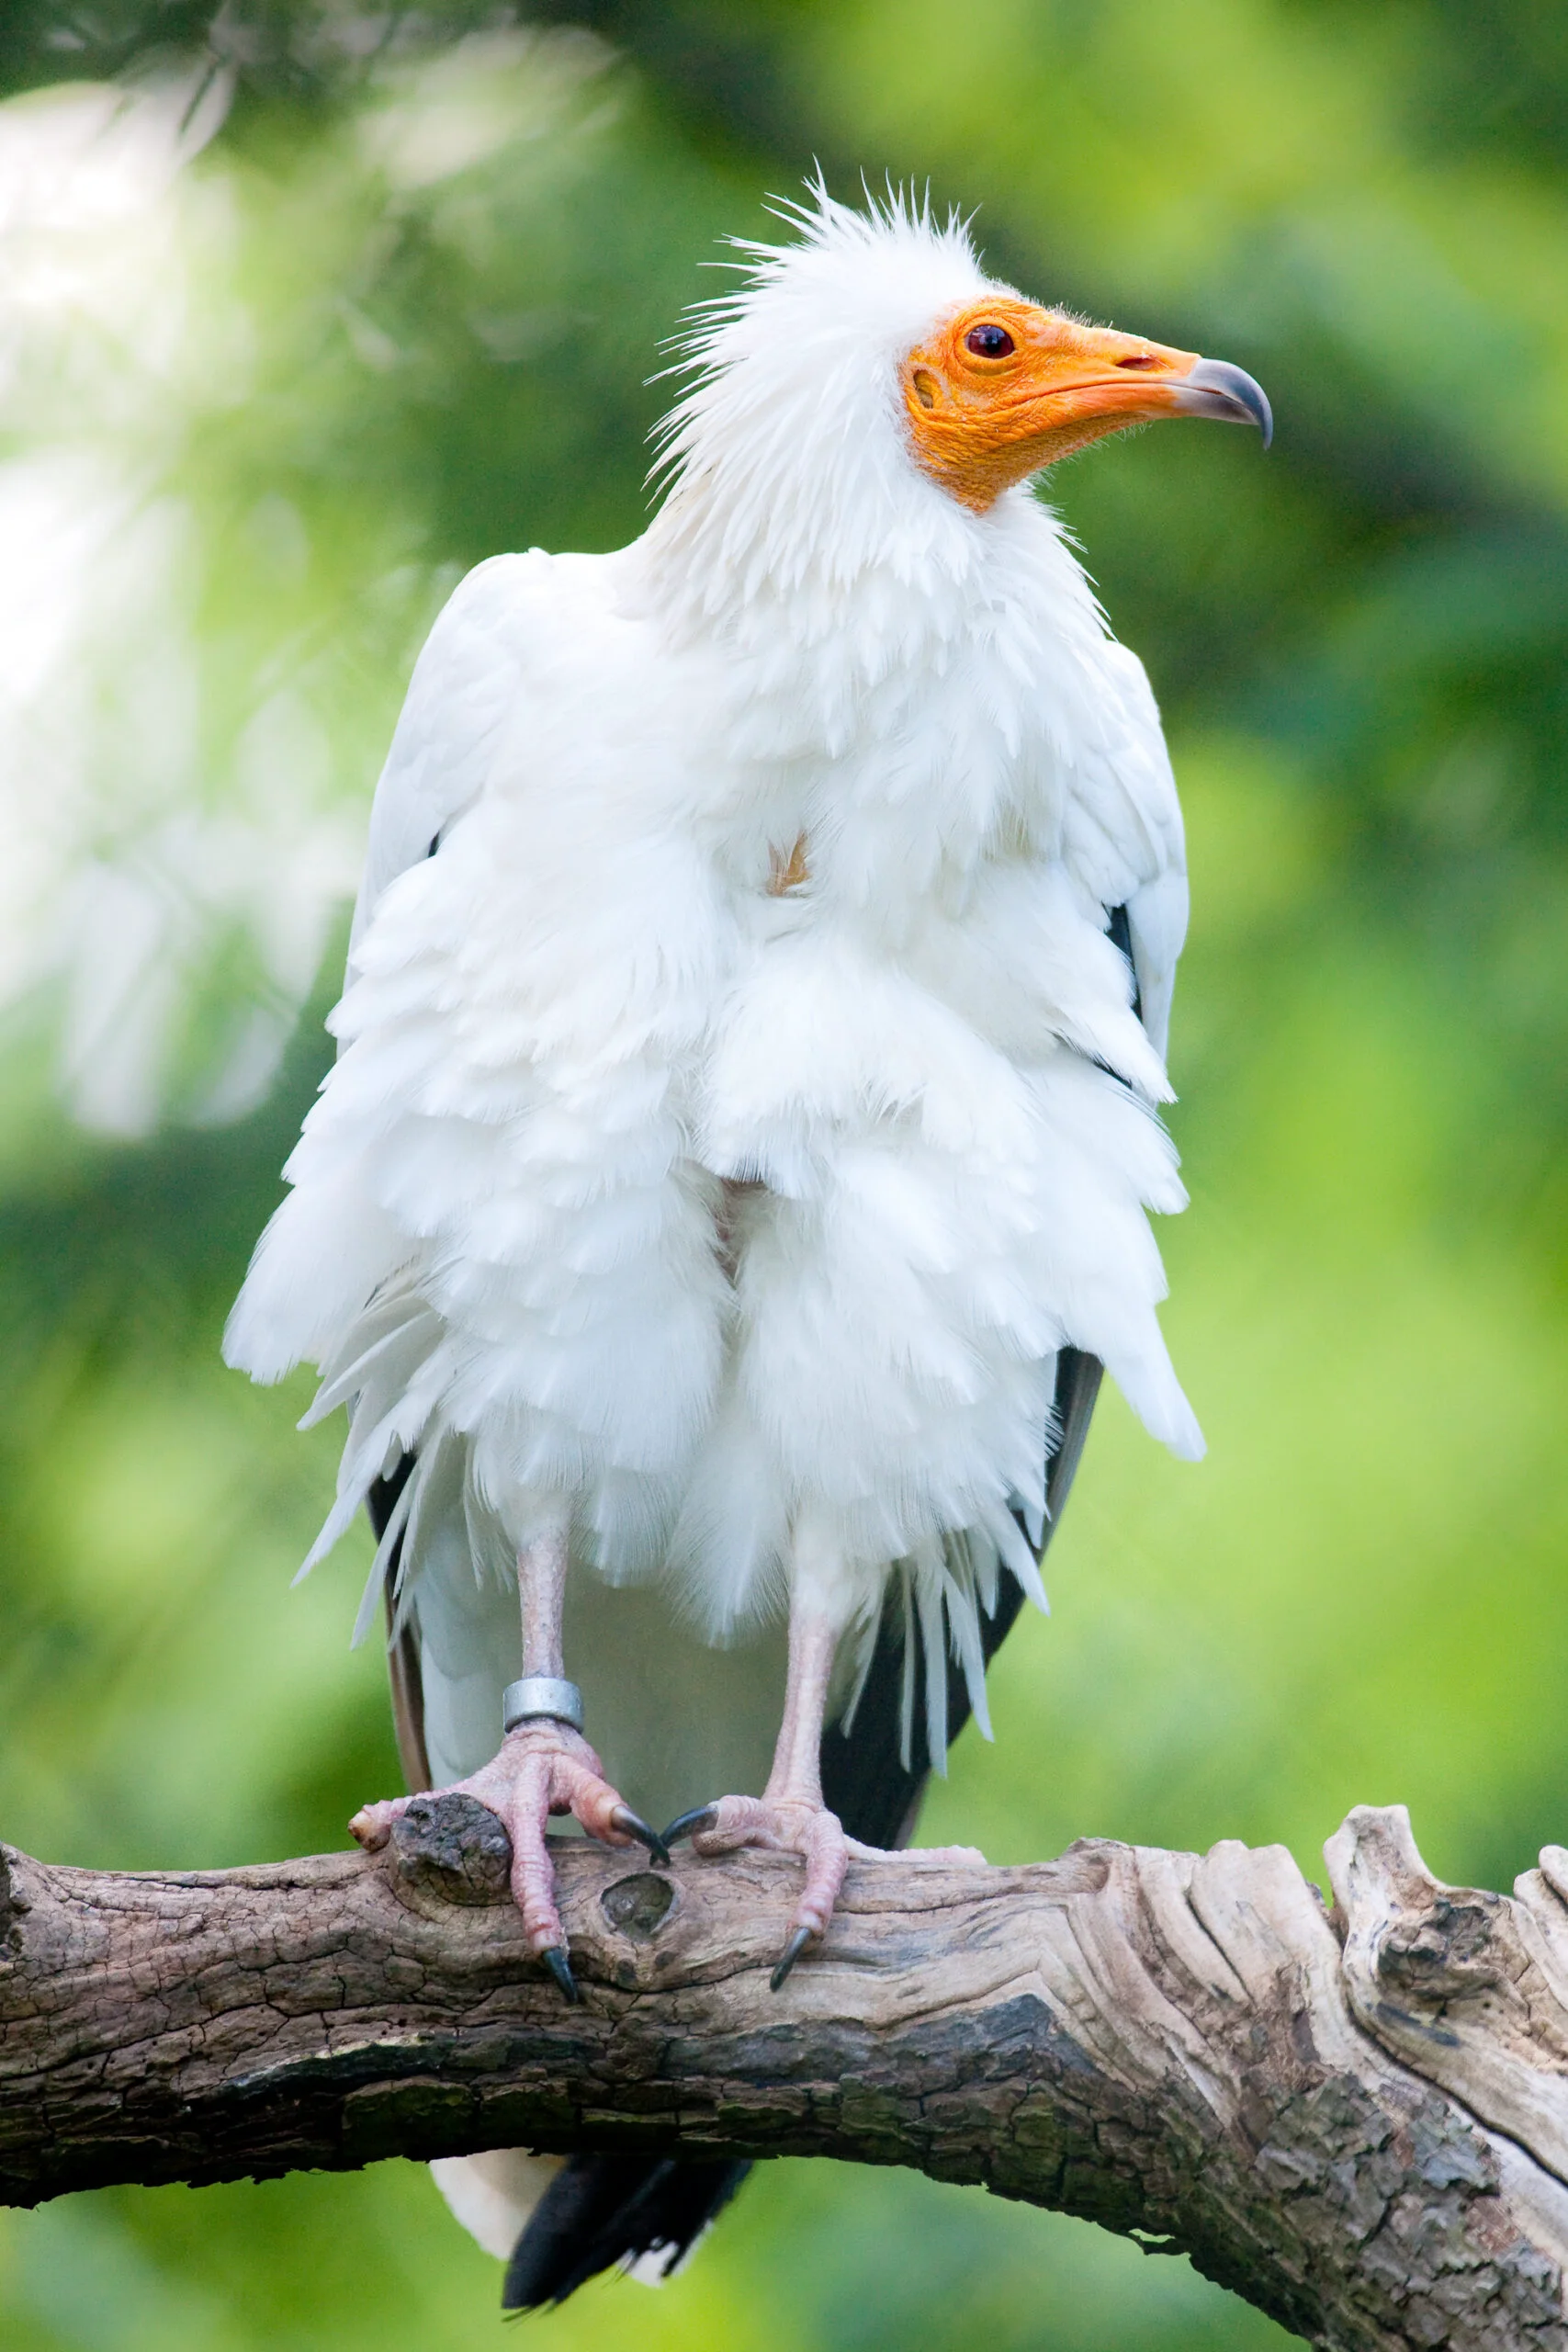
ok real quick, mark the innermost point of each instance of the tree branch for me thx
(1357, 2120)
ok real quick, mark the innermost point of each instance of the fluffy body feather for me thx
(569, 1028)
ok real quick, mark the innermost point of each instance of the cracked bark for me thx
(1355, 2119)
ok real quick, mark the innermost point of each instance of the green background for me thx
(455, 251)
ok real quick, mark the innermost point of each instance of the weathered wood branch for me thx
(1358, 2119)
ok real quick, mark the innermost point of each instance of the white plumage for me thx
(561, 1031)
(739, 1100)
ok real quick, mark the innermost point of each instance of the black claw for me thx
(634, 1826)
(690, 1825)
(788, 1957)
(556, 1960)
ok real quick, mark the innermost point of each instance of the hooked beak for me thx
(1213, 388)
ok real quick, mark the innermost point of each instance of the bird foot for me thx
(786, 1824)
(542, 1768)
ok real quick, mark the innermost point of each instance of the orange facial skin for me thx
(980, 424)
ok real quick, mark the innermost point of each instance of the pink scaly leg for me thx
(541, 1768)
(790, 1817)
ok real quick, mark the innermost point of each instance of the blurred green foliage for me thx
(428, 260)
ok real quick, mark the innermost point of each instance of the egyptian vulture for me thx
(736, 1167)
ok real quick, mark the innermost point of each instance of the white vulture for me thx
(736, 1167)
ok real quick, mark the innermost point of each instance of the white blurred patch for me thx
(198, 678)
(137, 847)
(442, 116)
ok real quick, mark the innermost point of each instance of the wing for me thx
(865, 1780)
(464, 683)
(1123, 833)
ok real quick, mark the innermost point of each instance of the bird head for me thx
(1001, 389)
(865, 367)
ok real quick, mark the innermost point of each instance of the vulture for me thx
(735, 1169)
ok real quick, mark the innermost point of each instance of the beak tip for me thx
(1214, 388)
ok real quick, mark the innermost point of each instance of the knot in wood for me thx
(1448, 1950)
(638, 1905)
(452, 1848)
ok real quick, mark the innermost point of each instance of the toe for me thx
(372, 1824)
(826, 1852)
(533, 1888)
(577, 1789)
(524, 1811)
(736, 1822)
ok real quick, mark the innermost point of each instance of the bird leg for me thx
(790, 1817)
(542, 1767)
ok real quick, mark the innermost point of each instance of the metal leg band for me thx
(550, 1696)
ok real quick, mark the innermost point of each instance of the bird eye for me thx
(988, 342)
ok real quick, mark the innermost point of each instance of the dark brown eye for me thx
(988, 342)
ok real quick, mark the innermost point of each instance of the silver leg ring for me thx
(550, 1696)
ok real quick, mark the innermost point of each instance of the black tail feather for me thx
(601, 2210)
